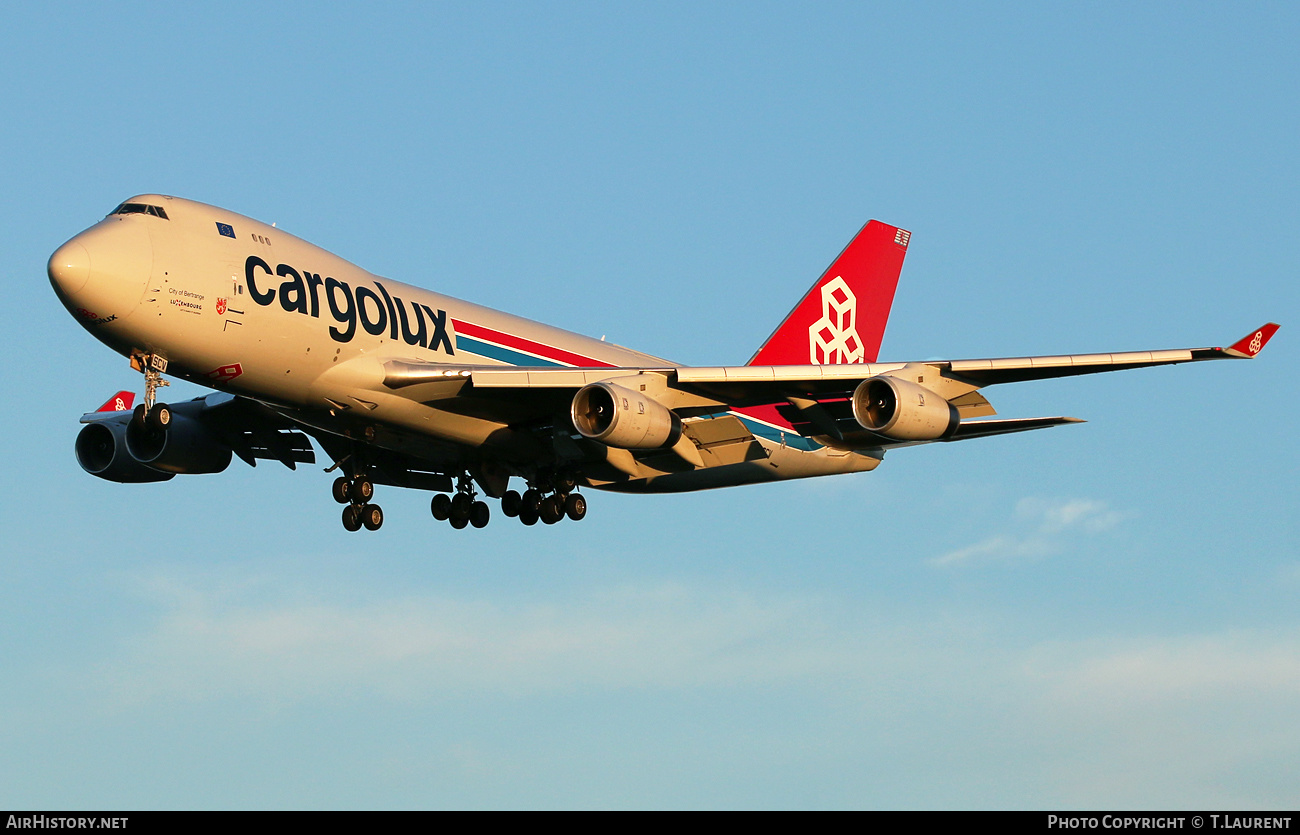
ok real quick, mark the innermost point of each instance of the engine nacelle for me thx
(185, 446)
(903, 410)
(620, 417)
(101, 451)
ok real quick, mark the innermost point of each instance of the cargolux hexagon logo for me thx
(833, 338)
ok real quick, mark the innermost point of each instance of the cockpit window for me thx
(139, 209)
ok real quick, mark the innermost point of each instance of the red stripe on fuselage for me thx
(521, 344)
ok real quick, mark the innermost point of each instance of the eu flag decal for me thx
(226, 229)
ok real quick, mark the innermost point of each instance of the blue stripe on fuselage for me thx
(496, 352)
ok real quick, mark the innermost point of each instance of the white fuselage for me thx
(245, 308)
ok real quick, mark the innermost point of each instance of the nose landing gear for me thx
(150, 418)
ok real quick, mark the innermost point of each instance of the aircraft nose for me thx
(105, 270)
(69, 267)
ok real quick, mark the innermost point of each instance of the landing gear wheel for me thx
(142, 426)
(459, 523)
(565, 484)
(341, 490)
(552, 510)
(527, 516)
(575, 506)
(372, 517)
(362, 490)
(532, 501)
(511, 502)
(479, 514)
(440, 507)
(460, 505)
(352, 517)
(159, 417)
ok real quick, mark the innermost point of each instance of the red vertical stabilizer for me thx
(842, 318)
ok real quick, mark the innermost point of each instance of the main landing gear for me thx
(549, 502)
(356, 493)
(546, 500)
(463, 509)
(534, 505)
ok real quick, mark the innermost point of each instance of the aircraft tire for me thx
(362, 490)
(528, 517)
(352, 518)
(372, 517)
(479, 514)
(575, 506)
(552, 509)
(160, 417)
(565, 483)
(460, 506)
(532, 500)
(511, 502)
(341, 490)
(440, 507)
(459, 523)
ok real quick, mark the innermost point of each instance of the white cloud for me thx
(211, 643)
(1147, 671)
(1041, 528)
(960, 700)
(1191, 721)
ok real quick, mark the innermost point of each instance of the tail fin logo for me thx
(833, 339)
(841, 319)
(120, 402)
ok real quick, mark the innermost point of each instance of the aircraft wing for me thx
(753, 384)
(811, 399)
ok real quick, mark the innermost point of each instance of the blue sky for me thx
(1100, 615)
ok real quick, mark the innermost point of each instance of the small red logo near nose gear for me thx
(221, 307)
(225, 373)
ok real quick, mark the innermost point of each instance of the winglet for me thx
(1252, 343)
(120, 402)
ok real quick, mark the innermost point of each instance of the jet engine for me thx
(185, 446)
(131, 451)
(101, 451)
(620, 417)
(903, 410)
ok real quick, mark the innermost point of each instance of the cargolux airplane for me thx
(402, 386)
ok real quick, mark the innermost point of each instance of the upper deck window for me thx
(139, 209)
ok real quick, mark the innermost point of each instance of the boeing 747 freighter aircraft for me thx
(402, 386)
